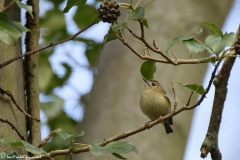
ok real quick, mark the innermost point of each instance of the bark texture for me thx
(12, 79)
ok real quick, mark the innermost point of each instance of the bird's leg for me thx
(160, 119)
(148, 124)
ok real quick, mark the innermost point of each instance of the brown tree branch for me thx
(168, 60)
(31, 73)
(44, 47)
(13, 127)
(47, 138)
(7, 7)
(210, 143)
(9, 94)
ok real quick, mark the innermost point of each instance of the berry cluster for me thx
(237, 45)
(108, 11)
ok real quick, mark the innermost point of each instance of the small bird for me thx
(154, 103)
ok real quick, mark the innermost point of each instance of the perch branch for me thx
(134, 131)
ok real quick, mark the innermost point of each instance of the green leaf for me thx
(145, 23)
(217, 44)
(28, 8)
(194, 46)
(137, 14)
(121, 147)
(110, 36)
(27, 146)
(148, 69)
(116, 27)
(85, 15)
(98, 150)
(9, 31)
(182, 38)
(71, 3)
(22, 28)
(92, 53)
(211, 60)
(195, 87)
(5, 140)
(54, 26)
(32, 149)
(64, 135)
(8, 156)
(214, 29)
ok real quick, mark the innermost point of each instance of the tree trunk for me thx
(113, 107)
(12, 80)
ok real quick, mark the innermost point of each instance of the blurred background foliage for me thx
(58, 64)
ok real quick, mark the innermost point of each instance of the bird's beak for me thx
(146, 81)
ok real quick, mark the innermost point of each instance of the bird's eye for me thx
(153, 84)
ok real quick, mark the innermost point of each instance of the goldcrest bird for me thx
(154, 103)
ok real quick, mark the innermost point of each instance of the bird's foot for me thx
(148, 124)
(160, 119)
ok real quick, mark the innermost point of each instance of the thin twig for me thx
(142, 28)
(188, 102)
(175, 97)
(154, 44)
(8, 7)
(208, 87)
(9, 94)
(47, 46)
(13, 127)
(175, 61)
(47, 138)
(174, 55)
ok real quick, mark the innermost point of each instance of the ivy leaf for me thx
(121, 147)
(64, 135)
(9, 31)
(145, 23)
(32, 149)
(116, 27)
(72, 3)
(22, 28)
(110, 36)
(182, 38)
(28, 8)
(98, 150)
(116, 148)
(137, 14)
(214, 29)
(194, 47)
(27, 146)
(148, 69)
(85, 15)
(195, 87)
(217, 44)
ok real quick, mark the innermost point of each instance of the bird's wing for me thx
(167, 100)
